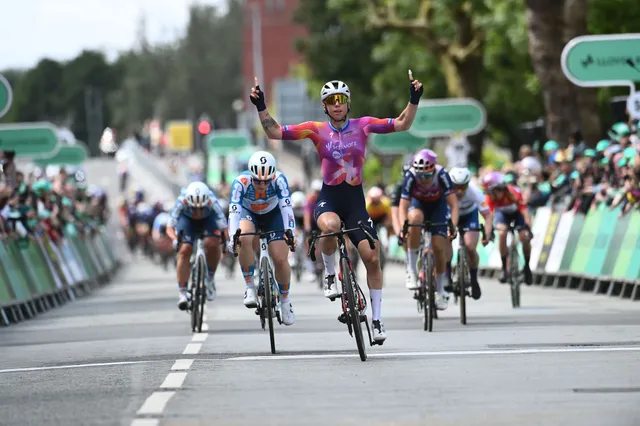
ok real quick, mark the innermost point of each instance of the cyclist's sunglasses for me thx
(462, 187)
(262, 182)
(332, 99)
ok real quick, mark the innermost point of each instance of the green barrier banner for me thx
(628, 262)
(568, 225)
(580, 256)
(20, 263)
(540, 224)
(604, 234)
(20, 288)
(615, 244)
(6, 296)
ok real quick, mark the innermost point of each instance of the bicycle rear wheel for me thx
(462, 290)
(352, 304)
(514, 278)
(267, 304)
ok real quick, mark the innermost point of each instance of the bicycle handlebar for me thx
(287, 232)
(427, 225)
(315, 236)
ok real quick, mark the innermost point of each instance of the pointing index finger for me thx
(255, 80)
(410, 75)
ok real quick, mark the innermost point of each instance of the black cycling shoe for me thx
(503, 276)
(528, 277)
(476, 293)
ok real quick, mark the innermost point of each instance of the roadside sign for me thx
(602, 60)
(227, 141)
(633, 105)
(6, 96)
(67, 154)
(444, 117)
(180, 135)
(395, 143)
(35, 140)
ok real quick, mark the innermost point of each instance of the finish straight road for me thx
(126, 356)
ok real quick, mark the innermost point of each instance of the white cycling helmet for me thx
(334, 87)
(197, 195)
(375, 192)
(298, 200)
(316, 185)
(460, 175)
(262, 165)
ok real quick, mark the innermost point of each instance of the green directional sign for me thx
(67, 154)
(395, 143)
(227, 141)
(35, 140)
(446, 117)
(602, 60)
(6, 96)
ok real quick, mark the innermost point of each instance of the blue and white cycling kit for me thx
(189, 223)
(268, 210)
(471, 202)
(161, 221)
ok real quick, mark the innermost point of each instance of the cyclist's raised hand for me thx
(415, 90)
(257, 96)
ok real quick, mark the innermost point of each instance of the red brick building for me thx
(279, 34)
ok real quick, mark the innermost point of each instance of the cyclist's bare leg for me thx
(526, 251)
(371, 260)
(502, 246)
(329, 222)
(440, 252)
(415, 217)
(246, 255)
(279, 252)
(182, 265)
(213, 253)
(471, 243)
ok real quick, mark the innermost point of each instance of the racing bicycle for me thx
(354, 302)
(268, 290)
(463, 280)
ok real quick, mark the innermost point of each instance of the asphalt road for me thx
(126, 356)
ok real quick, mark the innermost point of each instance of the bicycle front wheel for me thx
(267, 303)
(201, 292)
(462, 290)
(195, 297)
(428, 310)
(352, 303)
(514, 278)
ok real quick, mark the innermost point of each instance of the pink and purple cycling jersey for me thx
(341, 151)
(438, 187)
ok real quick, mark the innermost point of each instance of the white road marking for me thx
(145, 422)
(444, 353)
(182, 364)
(63, 367)
(156, 402)
(174, 380)
(199, 337)
(192, 349)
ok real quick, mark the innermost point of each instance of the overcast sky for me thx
(60, 29)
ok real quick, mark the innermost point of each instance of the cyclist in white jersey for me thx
(260, 198)
(470, 202)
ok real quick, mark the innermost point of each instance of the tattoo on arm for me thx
(268, 122)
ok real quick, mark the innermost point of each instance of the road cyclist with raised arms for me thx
(471, 202)
(341, 144)
(196, 212)
(427, 193)
(506, 202)
(260, 201)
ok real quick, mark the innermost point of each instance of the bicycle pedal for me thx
(342, 318)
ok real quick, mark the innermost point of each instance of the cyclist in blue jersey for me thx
(196, 212)
(341, 144)
(161, 242)
(427, 193)
(260, 199)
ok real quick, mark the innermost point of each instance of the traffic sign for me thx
(6, 96)
(444, 117)
(395, 143)
(633, 105)
(67, 154)
(602, 60)
(34, 140)
(227, 141)
(180, 135)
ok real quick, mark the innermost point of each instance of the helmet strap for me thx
(324, 106)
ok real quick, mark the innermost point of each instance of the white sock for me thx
(376, 304)
(310, 266)
(440, 282)
(413, 260)
(329, 264)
